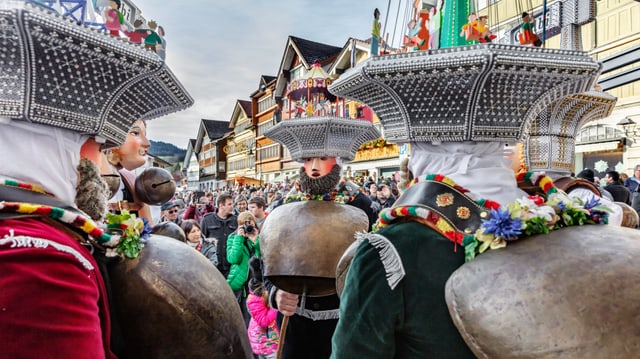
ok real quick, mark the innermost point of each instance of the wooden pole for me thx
(283, 332)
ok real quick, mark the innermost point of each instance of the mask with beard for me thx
(321, 185)
(92, 192)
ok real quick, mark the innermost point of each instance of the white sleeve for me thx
(615, 217)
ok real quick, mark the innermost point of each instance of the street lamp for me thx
(629, 127)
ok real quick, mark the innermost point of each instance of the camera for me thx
(248, 228)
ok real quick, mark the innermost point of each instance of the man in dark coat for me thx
(220, 225)
(619, 192)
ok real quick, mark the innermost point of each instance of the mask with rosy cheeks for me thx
(316, 167)
(133, 153)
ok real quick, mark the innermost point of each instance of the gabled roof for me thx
(241, 105)
(312, 51)
(265, 79)
(246, 107)
(190, 150)
(215, 128)
(265, 83)
(343, 59)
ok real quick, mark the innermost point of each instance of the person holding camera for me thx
(242, 244)
(197, 209)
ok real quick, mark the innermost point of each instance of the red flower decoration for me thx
(539, 201)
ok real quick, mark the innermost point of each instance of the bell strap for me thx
(452, 205)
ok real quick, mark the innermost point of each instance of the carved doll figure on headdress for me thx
(301, 105)
(414, 25)
(161, 48)
(323, 108)
(412, 38)
(470, 29)
(138, 34)
(527, 34)
(375, 33)
(152, 40)
(483, 29)
(434, 25)
(113, 18)
(126, 158)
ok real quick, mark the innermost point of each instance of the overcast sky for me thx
(219, 49)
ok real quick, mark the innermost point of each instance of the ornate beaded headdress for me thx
(58, 73)
(323, 136)
(485, 92)
(550, 145)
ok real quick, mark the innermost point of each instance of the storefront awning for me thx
(282, 177)
(597, 147)
(246, 180)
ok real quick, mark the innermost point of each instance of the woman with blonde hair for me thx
(242, 244)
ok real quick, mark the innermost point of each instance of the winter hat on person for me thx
(255, 273)
(168, 205)
(587, 174)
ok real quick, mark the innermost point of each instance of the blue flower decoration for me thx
(502, 225)
(562, 206)
(146, 231)
(592, 202)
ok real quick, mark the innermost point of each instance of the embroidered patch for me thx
(33, 242)
(463, 212)
(444, 200)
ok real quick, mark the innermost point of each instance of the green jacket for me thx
(411, 320)
(239, 251)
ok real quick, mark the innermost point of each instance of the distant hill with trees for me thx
(167, 151)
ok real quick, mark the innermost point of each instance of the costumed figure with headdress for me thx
(303, 239)
(465, 264)
(77, 281)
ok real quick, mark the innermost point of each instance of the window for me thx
(266, 103)
(264, 126)
(242, 125)
(297, 73)
(270, 151)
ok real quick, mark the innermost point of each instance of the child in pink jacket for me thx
(263, 331)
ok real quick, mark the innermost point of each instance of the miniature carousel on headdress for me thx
(548, 295)
(59, 73)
